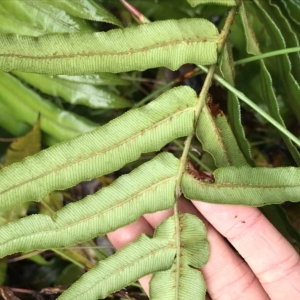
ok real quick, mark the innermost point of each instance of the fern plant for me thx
(62, 59)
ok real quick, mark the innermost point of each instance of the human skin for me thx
(259, 264)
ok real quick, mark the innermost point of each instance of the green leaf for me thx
(149, 188)
(144, 256)
(11, 124)
(251, 42)
(69, 275)
(265, 80)
(75, 93)
(289, 35)
(101, 151)
(95, 79)
(293, 9)
(184, 281)
(233, 105)
(17, 17)
(291, 12)
(27, 106)
(164, 43)
(283, 65)
(194, 3)
(88, 9)
(217, 138)
(270, 98)
(246, 186)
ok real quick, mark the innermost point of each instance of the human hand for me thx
(261, 264)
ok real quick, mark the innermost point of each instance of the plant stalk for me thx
(267, 55)
(202, 97)
(183, 160)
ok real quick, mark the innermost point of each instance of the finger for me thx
(227, 276)
(270, 256)
(127, 234)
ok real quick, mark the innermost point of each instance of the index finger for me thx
(271, 257)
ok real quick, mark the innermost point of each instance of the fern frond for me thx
(170, 43)
(101, 151)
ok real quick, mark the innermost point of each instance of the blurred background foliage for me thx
(37, 111)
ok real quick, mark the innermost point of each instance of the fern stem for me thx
(193, 157)
(266, 55)
(188, 141)
(255, 107)
(203, 95)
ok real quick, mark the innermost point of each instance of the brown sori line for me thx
(202, 176)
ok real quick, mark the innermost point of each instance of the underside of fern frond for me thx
(179, 246)
(101, 151)
(165, 43)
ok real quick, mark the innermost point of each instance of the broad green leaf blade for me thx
(251, 42)
(270, 98)
(10, 123)
(293, 8)
(101, 151)
(283, 65)
(246, 186)
(267, 89)
(290, 36)
(144, 256)
(149, 188)
(27, 106)
(96, 79)
(69, 275)
(164, 43)
(217, 138)
(24, 18)
(233, 105)
(185, 282)
(88, 9)
(194, 3)
(294, 23)
(190, 286)
(75, 93)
